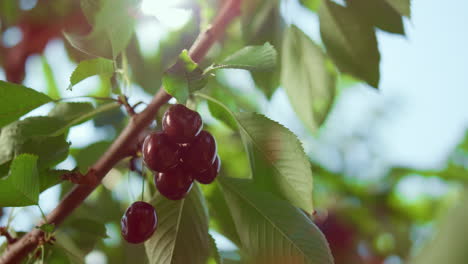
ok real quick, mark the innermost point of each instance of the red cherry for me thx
(209, 175)
(175, 183)
(181, 124)
(160, 153)
(201, 153)
(139, 222)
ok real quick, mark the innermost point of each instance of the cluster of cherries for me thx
(178, 155)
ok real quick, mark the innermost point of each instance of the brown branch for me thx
(122, 146)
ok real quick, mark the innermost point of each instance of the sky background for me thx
(422, 97)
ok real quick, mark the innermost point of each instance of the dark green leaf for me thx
(71, 111)
(183, 78)
(309, 84)
(32, 135)
(277, 159)
(220, 217)
(401, 6)
(88, 68)
(52, 88)
(67, 250)
(252, 58)
(350, 41)
(77, 113)
(21, 187)
(84, 232)
(382, 16)
(220, 112)
(271, 230)
(182, 236)
(17, 100)
(49, 178)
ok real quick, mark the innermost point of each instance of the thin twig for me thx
(122, 146)
(4, 232)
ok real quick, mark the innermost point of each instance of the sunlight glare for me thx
(166, 12)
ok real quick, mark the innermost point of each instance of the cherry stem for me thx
(122, 146)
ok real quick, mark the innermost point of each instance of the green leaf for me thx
(182, 236)
(350, 42)
(312, 5)
(215, 258)
(76, 113)
(220, 111)
(88, 68)
(254, 15)
(48, 228)
(67, 247)
(307, 81)
(52, 88)
(32, 135)
(113, 18)
(176, 86)
(382, 16)
(183, 78)
(277, 159)
(451, 238)
(17, 100)
(94, 44)
(401, 6)
(271, 230)
(21, 187)
(252, 58)
(84, 232)
(87, 156)
(49, 178)
(71, 111)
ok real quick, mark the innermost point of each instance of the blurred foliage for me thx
(266, 175)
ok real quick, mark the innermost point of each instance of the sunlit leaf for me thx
(271, 230)
(310, 85)
(88, 68)
(17, 100)
(252, 58)
(52, 88)
(277, 159)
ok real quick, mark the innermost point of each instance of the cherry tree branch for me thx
(123, 145)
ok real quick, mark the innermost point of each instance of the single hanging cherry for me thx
(139, 222)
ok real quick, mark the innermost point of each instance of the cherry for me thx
(175, 183)
(159, 152)
(181, 124)
(209, 175)
(139, 222)
(201, 153)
